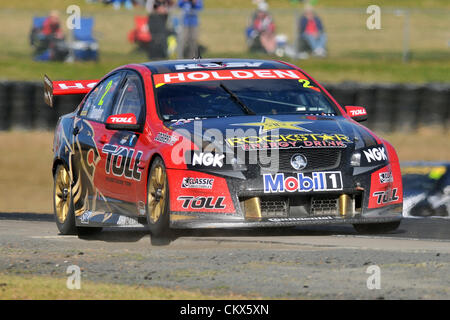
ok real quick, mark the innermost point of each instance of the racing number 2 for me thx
(108, 86)
(307, 84)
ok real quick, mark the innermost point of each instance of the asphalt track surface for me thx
(317, 262)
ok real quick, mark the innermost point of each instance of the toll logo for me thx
(303, 182)
(388, 196)
(197, 203)
(121, 161)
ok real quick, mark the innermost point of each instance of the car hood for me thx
(284, 127)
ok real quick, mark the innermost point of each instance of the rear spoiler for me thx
(57, 88)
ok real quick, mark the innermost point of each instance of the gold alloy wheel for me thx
(62, 194)
(156, 200)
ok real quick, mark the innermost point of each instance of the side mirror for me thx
(356, 113)
(126, 121)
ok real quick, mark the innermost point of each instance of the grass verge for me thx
(13, 287)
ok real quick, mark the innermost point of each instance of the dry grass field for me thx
(25, 166)
(50, 288)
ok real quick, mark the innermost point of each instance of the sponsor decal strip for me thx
(306, 140)
(166, 138)
(249, 74)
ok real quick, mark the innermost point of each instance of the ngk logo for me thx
(375, 154)
(208, 159)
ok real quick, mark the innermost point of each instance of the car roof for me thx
(169, 66)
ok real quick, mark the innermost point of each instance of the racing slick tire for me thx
(62, 202)
(374, 228)
(158, 201)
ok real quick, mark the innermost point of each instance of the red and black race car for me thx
(217, 143)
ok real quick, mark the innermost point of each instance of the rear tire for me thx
(63, 202)
(158, 201)
(377, 228)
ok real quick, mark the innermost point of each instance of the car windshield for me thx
(208, 99)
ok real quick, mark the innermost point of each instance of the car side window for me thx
(130, 98)
(97, 105)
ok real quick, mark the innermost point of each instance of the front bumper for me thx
(185, 220)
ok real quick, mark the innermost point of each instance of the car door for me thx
(123, 171)
(89, 136)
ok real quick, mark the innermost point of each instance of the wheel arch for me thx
(59, 161)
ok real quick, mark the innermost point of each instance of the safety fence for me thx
(391, 107)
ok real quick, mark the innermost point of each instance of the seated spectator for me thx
(261, 31)
(52, 26)
(48, 40)
(312, 32)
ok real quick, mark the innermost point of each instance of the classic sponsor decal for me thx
(207, 159)
(376, 154)
(197, 183)
(288, 141)
(384, 197)
(119, 161)
(269, 124)
(303, 182)
(197, 203)
(386, 177)
(248, 74)
(166, 138)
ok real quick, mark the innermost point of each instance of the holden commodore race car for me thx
(221, 143)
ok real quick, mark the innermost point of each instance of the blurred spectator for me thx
(52, 26)
(261, 30)
(312, 33)
(126, 3)
(48, 39)
(188, 42)
(157, 24)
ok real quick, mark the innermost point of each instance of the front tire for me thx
(63, 202)
(377, 228)
(158, 200)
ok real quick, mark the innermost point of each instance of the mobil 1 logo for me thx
(303, 182)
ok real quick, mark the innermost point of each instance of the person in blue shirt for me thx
(187, 44)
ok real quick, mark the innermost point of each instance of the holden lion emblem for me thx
(298, 161)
